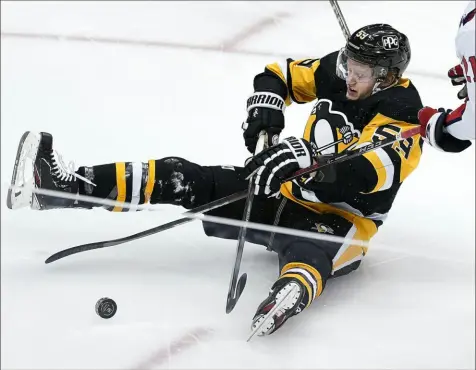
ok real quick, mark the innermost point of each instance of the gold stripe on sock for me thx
(150, 181)
(308, 268)
(121, 184)
(305, 283)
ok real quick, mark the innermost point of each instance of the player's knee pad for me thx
(180, 182)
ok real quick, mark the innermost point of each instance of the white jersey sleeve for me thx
(463, 122)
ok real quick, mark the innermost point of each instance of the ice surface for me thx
(410, 305)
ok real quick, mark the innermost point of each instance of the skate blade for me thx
(286, 300)
(26, 156)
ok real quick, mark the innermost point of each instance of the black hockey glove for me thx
(265, 112)
(274, 165)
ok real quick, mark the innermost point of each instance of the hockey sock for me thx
(131, 182)
(308, 276)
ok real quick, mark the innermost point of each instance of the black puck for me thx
(106, 308)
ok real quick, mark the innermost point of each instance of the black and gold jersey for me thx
(366, 186)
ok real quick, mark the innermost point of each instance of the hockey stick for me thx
(341, 157)
(236, 288)
(340, 18)
(169, 225)
(215, 204)
(109, 243)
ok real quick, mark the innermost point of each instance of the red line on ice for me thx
(165, 353)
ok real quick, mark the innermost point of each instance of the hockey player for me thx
(361, 98)
(451, 131)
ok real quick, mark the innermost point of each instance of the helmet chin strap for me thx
(377, 87)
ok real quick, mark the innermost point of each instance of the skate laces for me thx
(65, 172)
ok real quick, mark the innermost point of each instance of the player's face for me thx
(360, 81)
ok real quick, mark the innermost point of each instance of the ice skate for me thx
(38, 166)
(285, 299)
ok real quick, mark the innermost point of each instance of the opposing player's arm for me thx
(460, 123)
(294, 80)
(452, 130)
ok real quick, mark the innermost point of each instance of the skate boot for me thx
(286, 298)
(37, 166)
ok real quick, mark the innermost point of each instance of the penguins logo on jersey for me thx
(331, 131)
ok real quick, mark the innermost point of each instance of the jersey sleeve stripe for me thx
(377, 164)
(397, 163)
(383, 166)
(388, 167)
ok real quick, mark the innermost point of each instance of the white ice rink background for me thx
(132, 81)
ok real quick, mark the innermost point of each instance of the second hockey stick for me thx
(236, 286)
(340, 18)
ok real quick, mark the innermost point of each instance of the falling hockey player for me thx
(360, 98)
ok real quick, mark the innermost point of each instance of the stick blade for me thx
(63, 253)
(240, 286)
(81, 248)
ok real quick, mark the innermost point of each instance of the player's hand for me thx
(433, 130)
(426, 116)
(265, 112)
(274, 165)
(457, 77)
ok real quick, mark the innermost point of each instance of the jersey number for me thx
(472, 62)
(402, 147)
(307, 63)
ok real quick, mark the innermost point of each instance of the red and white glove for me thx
(456, 74)
(433, 129)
